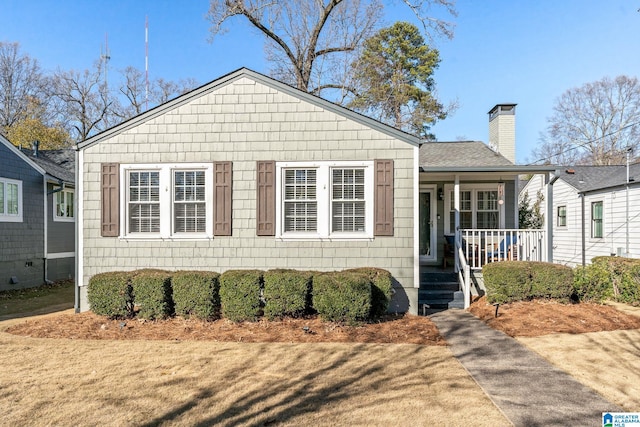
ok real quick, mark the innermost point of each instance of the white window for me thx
(163, 201)
(324, 200)
(63, 209)
(479, 207)
(10, 200)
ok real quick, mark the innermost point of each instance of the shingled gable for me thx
(267, 81)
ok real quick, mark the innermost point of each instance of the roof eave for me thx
(506, 169)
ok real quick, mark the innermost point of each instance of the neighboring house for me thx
(593, 212)
(37, 224)
(248, 172)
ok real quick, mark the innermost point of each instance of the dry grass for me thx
(108, 382)
(608, 362)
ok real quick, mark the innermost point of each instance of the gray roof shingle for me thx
(460, 154)
(59, 164)
(591, 178)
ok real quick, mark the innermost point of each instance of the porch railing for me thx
(482, 246)
(464, 276)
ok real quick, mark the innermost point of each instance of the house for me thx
(37, 216)
(248, 172)
(594, 211)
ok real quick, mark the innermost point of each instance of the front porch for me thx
(452, 284)
(467, 219)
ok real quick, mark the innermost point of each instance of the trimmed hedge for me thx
(342, 296)
(592, 283)
(196, 293)
(286, 293)
(240, 294)
(153, 294)
(551, 281)
(509, 281)
(111, 294)
(623, 277)
(381, 288)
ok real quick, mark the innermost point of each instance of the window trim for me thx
(324, 200)
(64, 218)
(593, 223)
(4, 216)
(166, 196)
(474, 188)
(559, 217)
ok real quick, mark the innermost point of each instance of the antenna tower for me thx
(105, 57)
(146, 62)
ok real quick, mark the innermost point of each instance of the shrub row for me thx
(238, 295)
(510, 281)
(605, 278)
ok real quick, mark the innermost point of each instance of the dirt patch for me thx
(543, 317)
(521, 319)
(400, 329)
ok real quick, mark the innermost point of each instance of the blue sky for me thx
(524, 52)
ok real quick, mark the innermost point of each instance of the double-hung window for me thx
(300, 200)
(64, 201)
(487, 209)
(562, 216)
(479, 207)
(325, 200)
(10, 200)
(168, 201)
(596, 220)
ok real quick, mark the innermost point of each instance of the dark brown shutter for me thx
(383, 198)
(110, 211)
(222, 198)
(266, 198)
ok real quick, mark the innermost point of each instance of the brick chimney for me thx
(502, 130)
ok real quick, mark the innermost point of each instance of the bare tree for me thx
(164, 90)
(311, 43)
(133, 88)
(20, 82)
(593, 124)
(82, 101)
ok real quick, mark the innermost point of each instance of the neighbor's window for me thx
(596, 219)
(169, 201)
(10, 200)
(325, 199)
(562, 216)
(64, 205)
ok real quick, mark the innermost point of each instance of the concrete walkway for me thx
(526, 388)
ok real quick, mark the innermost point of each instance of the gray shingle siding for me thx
(22, 243)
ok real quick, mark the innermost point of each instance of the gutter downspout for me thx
(45, 228)
(551, 179)
(584, 241)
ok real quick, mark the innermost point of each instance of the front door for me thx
(428, 224)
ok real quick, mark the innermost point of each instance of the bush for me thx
(592, 283)
(381, 289)
(506, 281)
(240, 292)
(196, 293)
(111, 294)
(286, 293)
(509, 281)
(552, 281)
(152, 291)
(625, 277)
(342, 296)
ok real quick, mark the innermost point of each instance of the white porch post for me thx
(456, 222)
(548, 223)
